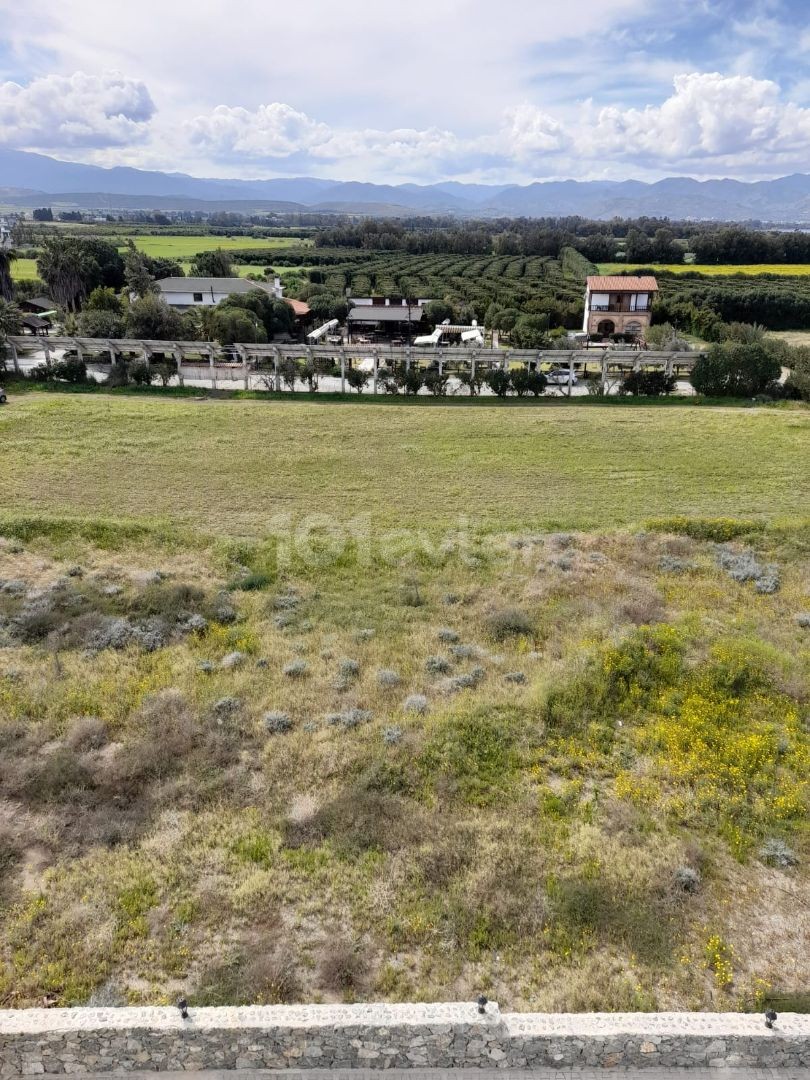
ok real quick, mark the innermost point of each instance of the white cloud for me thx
(55, 112)
(708, 118)
(271, 131)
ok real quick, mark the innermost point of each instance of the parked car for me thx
(560, 376)
(3, 398)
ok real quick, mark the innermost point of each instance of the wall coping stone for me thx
(374, 1015)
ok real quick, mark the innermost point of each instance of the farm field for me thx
(186, 247)
(248, 759)
(714, 270)
(24, 269)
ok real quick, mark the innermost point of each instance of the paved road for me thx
(657, 1073)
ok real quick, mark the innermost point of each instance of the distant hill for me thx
(28, 179)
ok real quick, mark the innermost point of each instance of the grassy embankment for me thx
(375, 731)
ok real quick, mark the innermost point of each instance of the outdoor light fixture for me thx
(482, 1004)
(770, 1018)
(182, 1005)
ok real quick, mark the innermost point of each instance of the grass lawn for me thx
(229, 466)
(748, 269)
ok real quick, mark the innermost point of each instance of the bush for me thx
(499, 382)
(508, 622)
(140, 373)
(648, 383)
(356, 379)
(410, 381)
(70, 370)
(436, 382)
(528, 382)
(342, 969)
(734, 370)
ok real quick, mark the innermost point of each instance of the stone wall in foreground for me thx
(36, 1041)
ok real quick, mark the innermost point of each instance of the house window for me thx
(197, 297)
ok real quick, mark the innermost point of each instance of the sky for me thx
(492, 91)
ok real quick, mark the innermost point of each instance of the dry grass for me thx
(157, 837)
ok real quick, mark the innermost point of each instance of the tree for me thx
(137, 273)
(151, 319)
(43, 213)
(328, 306)
(230, 324)
(734, 370)
(439, 311)
(104, 299)
(7, 257)
(212, 264)
(65, 267)
(275, 315)
(101, 323)
(530, 331)
(10, 323)
(356, 379)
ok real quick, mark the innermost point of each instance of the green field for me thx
(724, 270)
(185, 247)
(323, 702)
(24, 269)
(524, 467)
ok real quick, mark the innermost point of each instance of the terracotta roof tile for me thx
(620, 283)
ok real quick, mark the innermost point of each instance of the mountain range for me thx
(29, 180)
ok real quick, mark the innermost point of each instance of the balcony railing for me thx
(623, 309)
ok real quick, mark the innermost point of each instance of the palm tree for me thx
(10, 323)
(7, 257)
(63, 266)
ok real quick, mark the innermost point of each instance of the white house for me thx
(188, 292)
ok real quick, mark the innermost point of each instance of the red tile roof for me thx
(300, 309)
(619, 283)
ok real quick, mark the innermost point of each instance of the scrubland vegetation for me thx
(409, 757)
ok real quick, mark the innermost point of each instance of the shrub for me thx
(776, 852)
(687, 879)
(734, 370)
(437, 665)
(392, 735)
(528, 382)
(140, 373)
(447, 635)
(356, 378)
(349, 669)
(508, 622)
(648, 383)
(295, 669)
(86, 733)
(342, 970)
(415, 703)
(277, 723)
(410, 381)
(436, 382)
(499, 382)
(388, 678)
(70, 370)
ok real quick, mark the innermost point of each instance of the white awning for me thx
(316, 335)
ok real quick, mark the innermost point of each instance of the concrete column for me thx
(212, 368)
(571, 375)
(113, 354)
(376, 367)
(14, 358)
(472, 375)
(47, 349)
(604, 371)
(177, 353)
(277, 369)
(343, 371)
(245, 372)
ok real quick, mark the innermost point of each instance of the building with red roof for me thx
(618, 304)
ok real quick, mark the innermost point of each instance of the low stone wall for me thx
(35, 1041)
